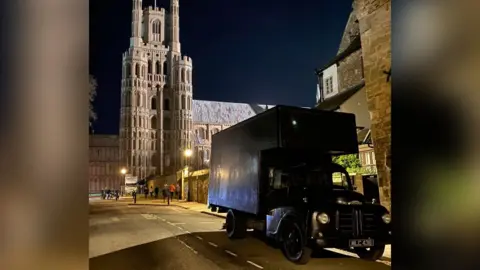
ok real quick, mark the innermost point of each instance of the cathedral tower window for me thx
(182, 72)
(139, 99)
(150, 67)
(157, 67)
(166, 104)
(154, 122)
(156, 30)
(137, 70)
(184, 101)
(165, 69)
(128, 70)
(189, 103)
(154, 103)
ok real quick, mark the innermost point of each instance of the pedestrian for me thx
(117, 194)
(172, 191)
(156, 192)
(134, 195)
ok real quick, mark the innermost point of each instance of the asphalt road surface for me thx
(170, 237)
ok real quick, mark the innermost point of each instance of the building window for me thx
(367, 157)
(166, 104)
(328, 85)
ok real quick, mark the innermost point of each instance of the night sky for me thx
(251, 51)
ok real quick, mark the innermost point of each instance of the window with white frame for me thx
(328, 85)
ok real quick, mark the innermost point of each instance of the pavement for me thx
(124, 236)
(202, 208)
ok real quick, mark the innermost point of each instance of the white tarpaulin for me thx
(130, 180)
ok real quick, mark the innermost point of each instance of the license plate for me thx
(361, 243)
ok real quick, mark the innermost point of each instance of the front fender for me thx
(290, 216)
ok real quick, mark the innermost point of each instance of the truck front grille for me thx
(355, 222)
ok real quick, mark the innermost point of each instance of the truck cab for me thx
(319, 207)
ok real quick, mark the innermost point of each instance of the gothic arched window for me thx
(153, 123)
(154, 103)
(156, 27)
(150, 67)
(157, 67)
(165, 70)
(166, 104)
(137, 70)
(128, 70)
(184, 102)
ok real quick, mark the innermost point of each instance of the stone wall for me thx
(350, 71)
(374, 18)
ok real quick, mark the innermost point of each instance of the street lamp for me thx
(123, 171)
(187, 153)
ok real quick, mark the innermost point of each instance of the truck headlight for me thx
(323, 218)
(386, 218)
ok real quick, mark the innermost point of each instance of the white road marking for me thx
(179, 227)
(175, 209)
(254, 264)
(212, 244)
(199, 238)
(231, 253)
(115, 219)
(149, 216)
(178, 223)
(170, 223)
(189, 247)
(187, 231)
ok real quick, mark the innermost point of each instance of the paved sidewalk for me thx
(202, 208)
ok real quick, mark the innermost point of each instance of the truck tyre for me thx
(236, 225)
(372, 254)
(293, 244)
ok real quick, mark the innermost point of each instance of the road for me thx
(169, 237)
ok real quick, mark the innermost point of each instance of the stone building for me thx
(104, 167)
(210, 117)
(341, 87)
(158, 118)
(368, 35)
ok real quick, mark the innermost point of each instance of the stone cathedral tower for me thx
(156, 94)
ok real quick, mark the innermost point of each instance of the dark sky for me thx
(252, 51)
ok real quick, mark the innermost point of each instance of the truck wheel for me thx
(371, 254)
(293, 244)
(235, 225)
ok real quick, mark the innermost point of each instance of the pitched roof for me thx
(333, 103)
(224, 113)
(355, 45)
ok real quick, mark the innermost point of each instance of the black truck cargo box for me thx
(235, 159)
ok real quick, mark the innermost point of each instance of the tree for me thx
(350, 162)
(92, 93)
